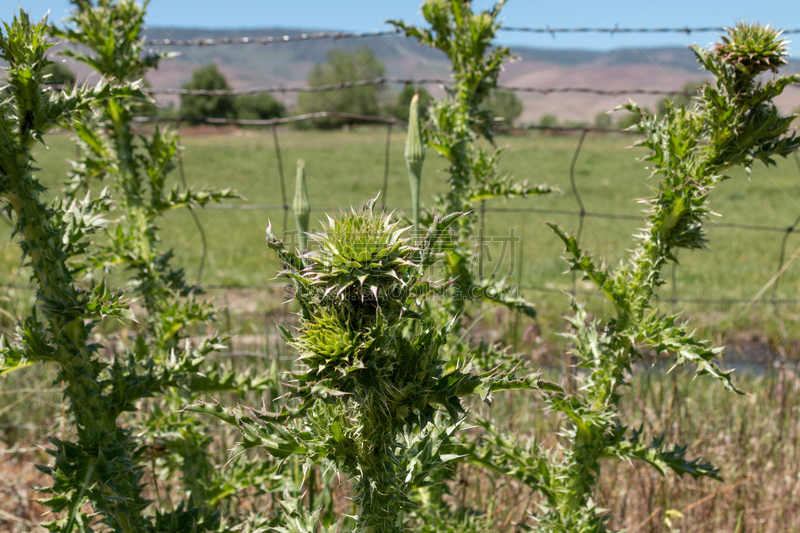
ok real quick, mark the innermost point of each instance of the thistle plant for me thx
(734, 123)
(139, 168)
(415, 157)
(454, 126)
(371, 399)
(110, 32)
(101, 465)
(301, 206)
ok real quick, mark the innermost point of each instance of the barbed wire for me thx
(367, 119)
(405, 81)
(272, 39)
(286, 38)
(616, 29)
(272, 121)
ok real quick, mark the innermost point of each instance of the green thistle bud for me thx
(415, 155)
(301, 205)
(753, 48)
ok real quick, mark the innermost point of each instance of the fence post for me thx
(203, 240)
(582, 212)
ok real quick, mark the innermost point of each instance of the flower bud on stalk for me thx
(301, 206)
(415, 155)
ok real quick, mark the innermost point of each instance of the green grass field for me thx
(346, 167)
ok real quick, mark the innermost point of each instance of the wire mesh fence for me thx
(580, 214)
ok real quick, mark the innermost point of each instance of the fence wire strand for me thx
(404, 81)
(335, 36)
(576, 192)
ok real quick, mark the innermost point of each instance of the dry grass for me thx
(753, 439)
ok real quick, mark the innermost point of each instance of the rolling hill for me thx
(254, 65)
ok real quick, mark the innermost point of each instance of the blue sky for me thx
(367, 15)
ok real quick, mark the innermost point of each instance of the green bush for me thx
(344, 66)
(603, 120)
(690, 88)
(200, 107)
(505, 107)
(548, 121)
(259, 107)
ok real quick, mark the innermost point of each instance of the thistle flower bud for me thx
(301, 205)
(415, 155)
(752, 48)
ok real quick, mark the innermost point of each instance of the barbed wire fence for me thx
(580, 213)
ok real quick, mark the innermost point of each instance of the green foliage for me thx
(455, 124)
(100, 466)
(602, 120)
(548, 121)
(259, 106)
(404, 102)
(504, 107)
(202, 106)
(371, 398)
(344, 66)
(103, 465)
(626, 120)
(110, 21)
(733, 123)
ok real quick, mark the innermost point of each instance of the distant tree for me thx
(404, 101)
(504, 106)
(548, 121)
(198, 107)
(626, 120)
(690, 88)
(59, 74)
(344, 66)
(259, 107)
(602, 120)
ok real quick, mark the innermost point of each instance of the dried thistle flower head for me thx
(752, 48)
